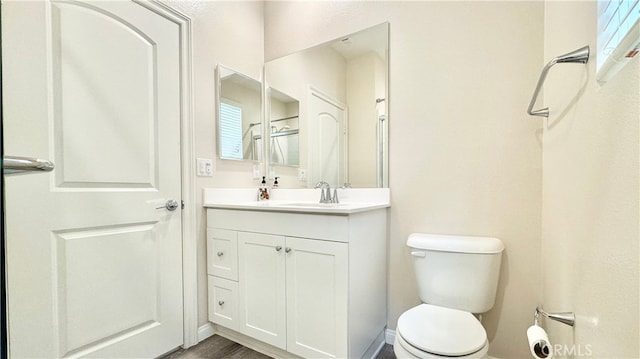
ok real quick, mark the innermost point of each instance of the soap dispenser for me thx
(263, 191)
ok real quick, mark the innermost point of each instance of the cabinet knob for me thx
(278, 248)
(220, 302)
(220, 254)
(287, 249)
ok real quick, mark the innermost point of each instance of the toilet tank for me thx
(459, 272)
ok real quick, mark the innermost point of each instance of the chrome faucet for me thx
(321, 184)
(325, 193)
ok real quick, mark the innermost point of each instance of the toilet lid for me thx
(442, 331)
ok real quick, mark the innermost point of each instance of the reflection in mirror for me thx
(239, 116)
(342, 89)
(284, 129)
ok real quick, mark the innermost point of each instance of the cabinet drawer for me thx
(223, 302)
(222, 253)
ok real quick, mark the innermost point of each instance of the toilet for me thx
(457, 276)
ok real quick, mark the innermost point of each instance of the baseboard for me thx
(376, 347)
(390, 336)
(254, 344)
(206, 331)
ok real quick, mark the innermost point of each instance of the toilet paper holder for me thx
(567, 318)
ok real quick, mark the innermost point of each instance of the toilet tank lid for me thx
(451, 243)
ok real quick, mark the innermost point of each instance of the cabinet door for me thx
(261, 280)
(317, 280)
(222, 253)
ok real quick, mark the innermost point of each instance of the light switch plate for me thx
(205, 167)
(256, 172)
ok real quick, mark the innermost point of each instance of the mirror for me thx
(239, 106)
(284, 129)
(342, 123)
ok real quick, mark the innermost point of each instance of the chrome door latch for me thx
(170, 205)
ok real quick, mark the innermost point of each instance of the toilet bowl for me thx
(429, 332)
(456, 276)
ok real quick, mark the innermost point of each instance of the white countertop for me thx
(352, 200)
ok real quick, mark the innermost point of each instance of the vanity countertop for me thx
(352, 200)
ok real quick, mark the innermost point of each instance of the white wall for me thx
(590, 229)
(228, 33)
(464, 156)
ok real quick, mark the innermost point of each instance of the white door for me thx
(327, 140)
(261, 279)
(94, 269)
(317, 285)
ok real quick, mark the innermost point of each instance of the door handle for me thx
(170, 205)
(17, 165)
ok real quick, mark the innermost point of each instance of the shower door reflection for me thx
(284, 131)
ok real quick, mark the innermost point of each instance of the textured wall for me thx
(590, 200)
(464, 156)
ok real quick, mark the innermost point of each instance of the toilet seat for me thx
(404, 350)
(441, 331)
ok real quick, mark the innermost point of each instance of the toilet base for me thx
(404, 350)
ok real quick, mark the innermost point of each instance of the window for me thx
(230, 131)
(618, 35)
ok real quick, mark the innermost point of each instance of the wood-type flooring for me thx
(217, 347)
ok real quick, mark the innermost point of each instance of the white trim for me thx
(323, 95)
(205, 331)
(187, 125)
(254, 344)
(390, 336)
(376, 347)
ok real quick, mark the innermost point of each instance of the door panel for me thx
(91, 79)
(95, 301)
(317, 280)
(327, 149)
(261, 281)
(93, 267)
(101, 60)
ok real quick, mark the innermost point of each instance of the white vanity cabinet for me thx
(313, 285)
(293, 293)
